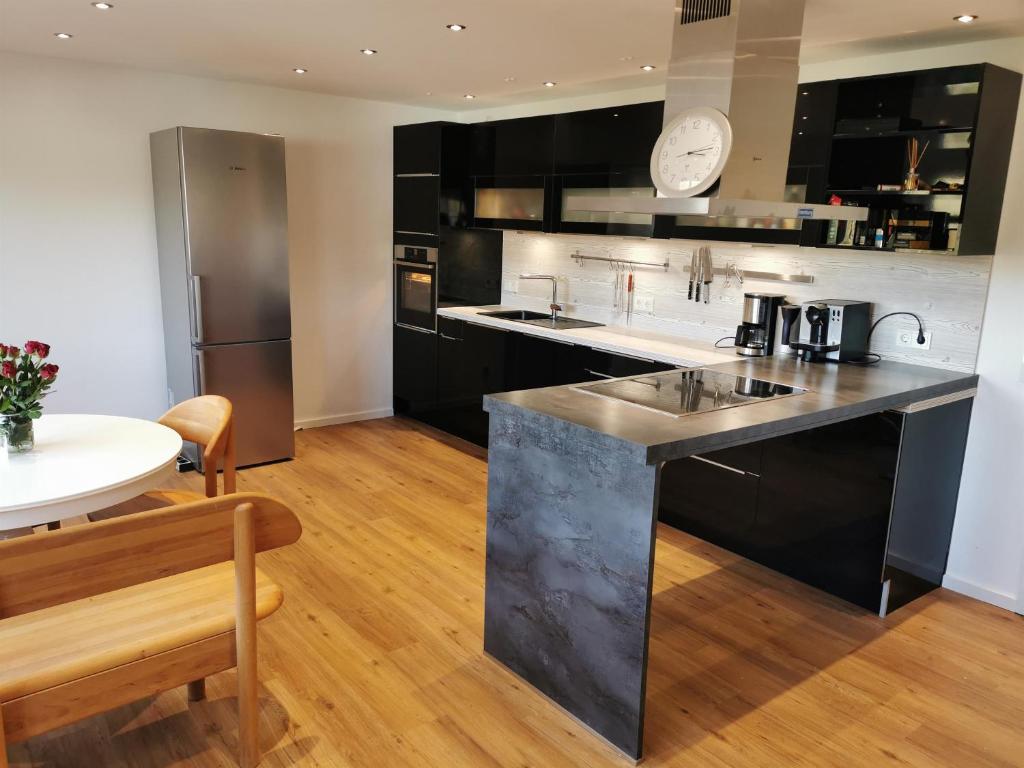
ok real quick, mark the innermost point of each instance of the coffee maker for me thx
(755, 336)
(834, 329)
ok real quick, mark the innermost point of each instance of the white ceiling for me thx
(586, 46)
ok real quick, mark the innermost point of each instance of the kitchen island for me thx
(575, 486)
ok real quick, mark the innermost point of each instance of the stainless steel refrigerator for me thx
(222, 236)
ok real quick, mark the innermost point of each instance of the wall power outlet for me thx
(643, 302)
(909, 339)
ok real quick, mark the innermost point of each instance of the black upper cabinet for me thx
(813, 124)
(857, 131)
(518, 147)
(416, 204)
(431, 186)
(610, 140)
(418, 149)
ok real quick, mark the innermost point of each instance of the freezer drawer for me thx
(257, 379)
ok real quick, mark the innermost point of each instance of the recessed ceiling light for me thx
(456, 27)
(103, 6)
(469, 96)
(300, 71)
(549, 84)
(965, 18)
(510, 79)
(367, 51)
(648, 67)
(804, 93)
(63, 35)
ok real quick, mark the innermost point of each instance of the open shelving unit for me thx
(850, 136)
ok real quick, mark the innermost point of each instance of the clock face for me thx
(691, 152)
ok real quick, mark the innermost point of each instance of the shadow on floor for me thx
(141, 735)
(727, 642)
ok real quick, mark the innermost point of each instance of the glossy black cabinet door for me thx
(824, 505)
(418, 148)
(522, 146)
(596, 364)
(538, 363)
(813, 124)
(710, 499)
(416, 205)
(415, 370)
(608, 140)
(472, 362)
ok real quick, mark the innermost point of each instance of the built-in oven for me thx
(416, 287)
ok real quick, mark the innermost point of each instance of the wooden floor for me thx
(375, 659)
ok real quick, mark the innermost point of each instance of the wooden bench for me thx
(97, 616)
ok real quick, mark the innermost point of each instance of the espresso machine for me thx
(755, 336)
(833, 329)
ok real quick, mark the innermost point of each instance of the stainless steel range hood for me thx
(742, 57)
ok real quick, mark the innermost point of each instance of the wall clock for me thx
(691, 152)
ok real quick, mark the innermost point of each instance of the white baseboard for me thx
(978, 592)
(344, 418)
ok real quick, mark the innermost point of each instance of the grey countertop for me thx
(836, 392)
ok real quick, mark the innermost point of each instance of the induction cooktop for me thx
(687, 391)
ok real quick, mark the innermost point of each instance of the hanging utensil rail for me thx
(581, 257)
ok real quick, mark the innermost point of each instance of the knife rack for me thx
(751, 274)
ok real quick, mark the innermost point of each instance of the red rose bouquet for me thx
(25, 379)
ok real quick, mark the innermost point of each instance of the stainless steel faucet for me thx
(555, 306)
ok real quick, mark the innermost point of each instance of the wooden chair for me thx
(204, 420)
(96, 616)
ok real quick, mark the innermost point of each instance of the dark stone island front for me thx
(574, 492)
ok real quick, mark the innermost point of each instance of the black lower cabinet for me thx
(441, 379)
(415, 361)
(472, 361)
(595, 364)
(713, 496)
(538, 362)
(824, 505)
(862, 509)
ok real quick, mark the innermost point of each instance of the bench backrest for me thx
(46, 569)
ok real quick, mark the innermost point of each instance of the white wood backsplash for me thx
(948, 292)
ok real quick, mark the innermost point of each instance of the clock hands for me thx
(698, 151)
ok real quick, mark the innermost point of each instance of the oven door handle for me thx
(416, 264)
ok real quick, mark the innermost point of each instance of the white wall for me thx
(77, 241)
(947, 292)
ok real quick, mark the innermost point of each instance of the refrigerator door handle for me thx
(197, 309)
(201, 370)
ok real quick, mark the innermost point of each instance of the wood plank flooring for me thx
(375, 658)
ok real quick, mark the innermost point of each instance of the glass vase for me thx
(16, 429)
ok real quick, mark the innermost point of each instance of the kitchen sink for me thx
(540, 319)
(517, 314)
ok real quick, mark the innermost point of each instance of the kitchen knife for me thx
(709, 275)
(700, 276)
(693, 275)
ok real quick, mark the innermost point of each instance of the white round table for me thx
(82, 464)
